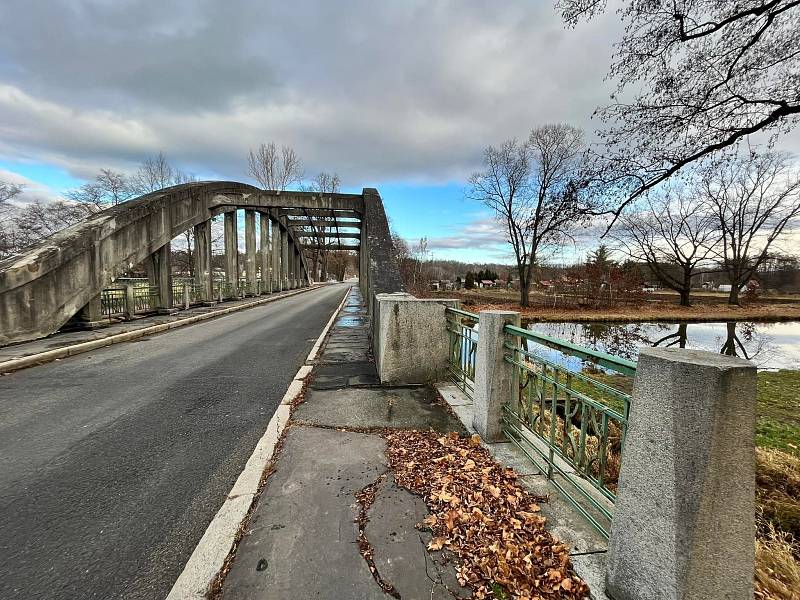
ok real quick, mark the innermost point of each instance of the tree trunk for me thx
(524, 293)
(686, 289)
(733, 296)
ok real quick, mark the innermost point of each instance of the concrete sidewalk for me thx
(63, 344)
(308, 536)
(304, 535)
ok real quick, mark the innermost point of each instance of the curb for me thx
(211, 552)
(49, 356)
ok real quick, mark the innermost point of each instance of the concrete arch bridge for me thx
(65, 278)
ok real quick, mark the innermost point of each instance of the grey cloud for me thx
(402, 90)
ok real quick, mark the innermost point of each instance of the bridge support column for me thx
(91, 315)
(290, 266)
(232, 251)
(159, 272)
(277, 282)
(250, 251)
(202, 260)
(284, 258)
(266, 276)
(298, 270)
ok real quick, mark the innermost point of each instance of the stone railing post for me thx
(683, 524)
(130, 302)
(186, 300)
(410, 339)
(494, 376)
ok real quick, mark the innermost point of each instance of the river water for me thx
(768, 345)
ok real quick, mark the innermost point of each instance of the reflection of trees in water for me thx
(733, 345)
(619, 339)
(676, 338)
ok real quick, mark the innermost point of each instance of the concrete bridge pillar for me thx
(232, 251)
(277, 282)
(290, 265)
(202, 260)
(91, 313)
(250, 250)
(298, 269)
(284, 258)
(159, 273)
(266, 276)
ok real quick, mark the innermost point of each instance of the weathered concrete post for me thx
(202, 260)
(130, 302)
(277, 282)
(187, 303)
(298, 270)
(232, 252)
(493, 375)
(159, 274)
(250, 250)
(266, 276)
(410, 338)
(683, 523)
(91, 314)
(284, 258)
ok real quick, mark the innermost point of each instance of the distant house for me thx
(486, 283)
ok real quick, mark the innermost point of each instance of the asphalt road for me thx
(113, 463)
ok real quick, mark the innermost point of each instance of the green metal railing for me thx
(113, 301)
(145, 298)
(578, 414)
(463, 348)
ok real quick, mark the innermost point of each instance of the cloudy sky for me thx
(401, 95)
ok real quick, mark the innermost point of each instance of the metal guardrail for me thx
(113, 301)
(579, 417)
(463, 348)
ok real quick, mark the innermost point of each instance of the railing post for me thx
(683, 522)
(494, 376)
(186, 300)
(130, 302)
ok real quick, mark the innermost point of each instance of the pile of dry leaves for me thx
(482, 514)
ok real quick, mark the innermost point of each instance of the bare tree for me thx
(153, 174)
(536, 191)
(8, 191)
(701, 76)
(109, 188)
(38, 220)
(674, 233)
(274, 170)
(323, 183)
(754, 198)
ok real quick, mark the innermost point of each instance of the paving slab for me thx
(400, 407)
(301, 542)
(400, 550)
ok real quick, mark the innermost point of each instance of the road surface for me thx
(112, 463)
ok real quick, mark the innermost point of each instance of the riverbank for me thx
(647, 311)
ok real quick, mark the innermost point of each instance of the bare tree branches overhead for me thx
(536, 190)
(754, 198)
(694, 77)
(275, 170)
(674, 233)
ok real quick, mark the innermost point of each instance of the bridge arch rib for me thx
(45, 286)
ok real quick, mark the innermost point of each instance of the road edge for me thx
(209, 556)
(40, 358)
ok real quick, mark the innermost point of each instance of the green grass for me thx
(778, 411)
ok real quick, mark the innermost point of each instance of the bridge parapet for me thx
(61, 278)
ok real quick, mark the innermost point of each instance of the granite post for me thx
(683, 523)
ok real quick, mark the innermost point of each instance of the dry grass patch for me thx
(778, 520)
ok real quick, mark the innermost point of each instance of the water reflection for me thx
(768, 345)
